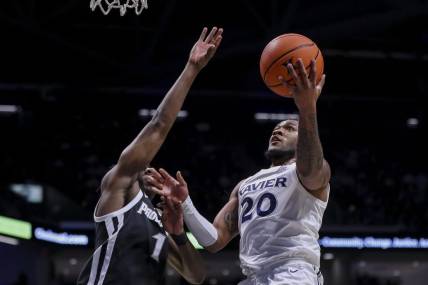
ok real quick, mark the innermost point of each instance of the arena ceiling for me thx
(377, 49)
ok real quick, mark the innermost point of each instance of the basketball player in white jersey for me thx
(277, 211)
(132, 245)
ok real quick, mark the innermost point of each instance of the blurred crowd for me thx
(68, 152)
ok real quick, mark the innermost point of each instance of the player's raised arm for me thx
(140, 152)
(212, 236)
(313, 170)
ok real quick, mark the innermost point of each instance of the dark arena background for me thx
(76, 86)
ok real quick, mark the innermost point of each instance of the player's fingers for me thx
(153, 182)
(211, 35)
(166, 176)
(286, 85)
(293, 75)
(217, 42)
(301, 72)
(218, 34)
(148, 169)
(160, 205)
(154, 174)
(321, 84)
(180, 178)
(313, 73)
(157, 191)
(211, 48)
(203, 34)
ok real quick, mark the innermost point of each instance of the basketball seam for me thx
(289, 80)
(284, 36)
(282, 55)
(288, 35)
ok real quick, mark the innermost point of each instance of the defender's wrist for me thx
(179, 239)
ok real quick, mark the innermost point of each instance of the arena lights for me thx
(15, 228)
(8, 240)
(328, 256)
(275, 116)
(193, 241)
(412, 123)
(60, 238)
(374, 242)
(145, 113)
(32, 193)
(9, 109)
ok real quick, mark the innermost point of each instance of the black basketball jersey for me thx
(131, 247)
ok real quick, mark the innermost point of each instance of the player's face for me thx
(284, 136)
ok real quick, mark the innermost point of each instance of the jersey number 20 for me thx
(248, 210)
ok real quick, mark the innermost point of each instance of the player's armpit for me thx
(186, 261)
(226, 222)
(113, 191)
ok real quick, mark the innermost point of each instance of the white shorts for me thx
(299, 273)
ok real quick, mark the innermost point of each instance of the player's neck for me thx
(283, 161)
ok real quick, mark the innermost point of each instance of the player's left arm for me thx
(182, 256)
(312, 169)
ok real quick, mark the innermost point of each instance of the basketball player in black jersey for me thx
(132, 246)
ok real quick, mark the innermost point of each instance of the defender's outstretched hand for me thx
(205, 48)
(306, 91)
(164, 184)
(176, 187)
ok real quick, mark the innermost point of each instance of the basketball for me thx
(284, 49)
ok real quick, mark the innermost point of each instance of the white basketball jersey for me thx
(278, 219)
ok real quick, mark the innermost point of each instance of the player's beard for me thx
(276, 154)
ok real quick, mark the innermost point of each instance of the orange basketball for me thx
(285, 49)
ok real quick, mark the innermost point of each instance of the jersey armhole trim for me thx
(306, 190)
(122, 210)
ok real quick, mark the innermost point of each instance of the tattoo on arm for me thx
(231, 220)
(310, 155)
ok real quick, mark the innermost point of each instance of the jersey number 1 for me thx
(247, 212)
(160, 239)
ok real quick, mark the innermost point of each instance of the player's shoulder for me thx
(235, 190)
